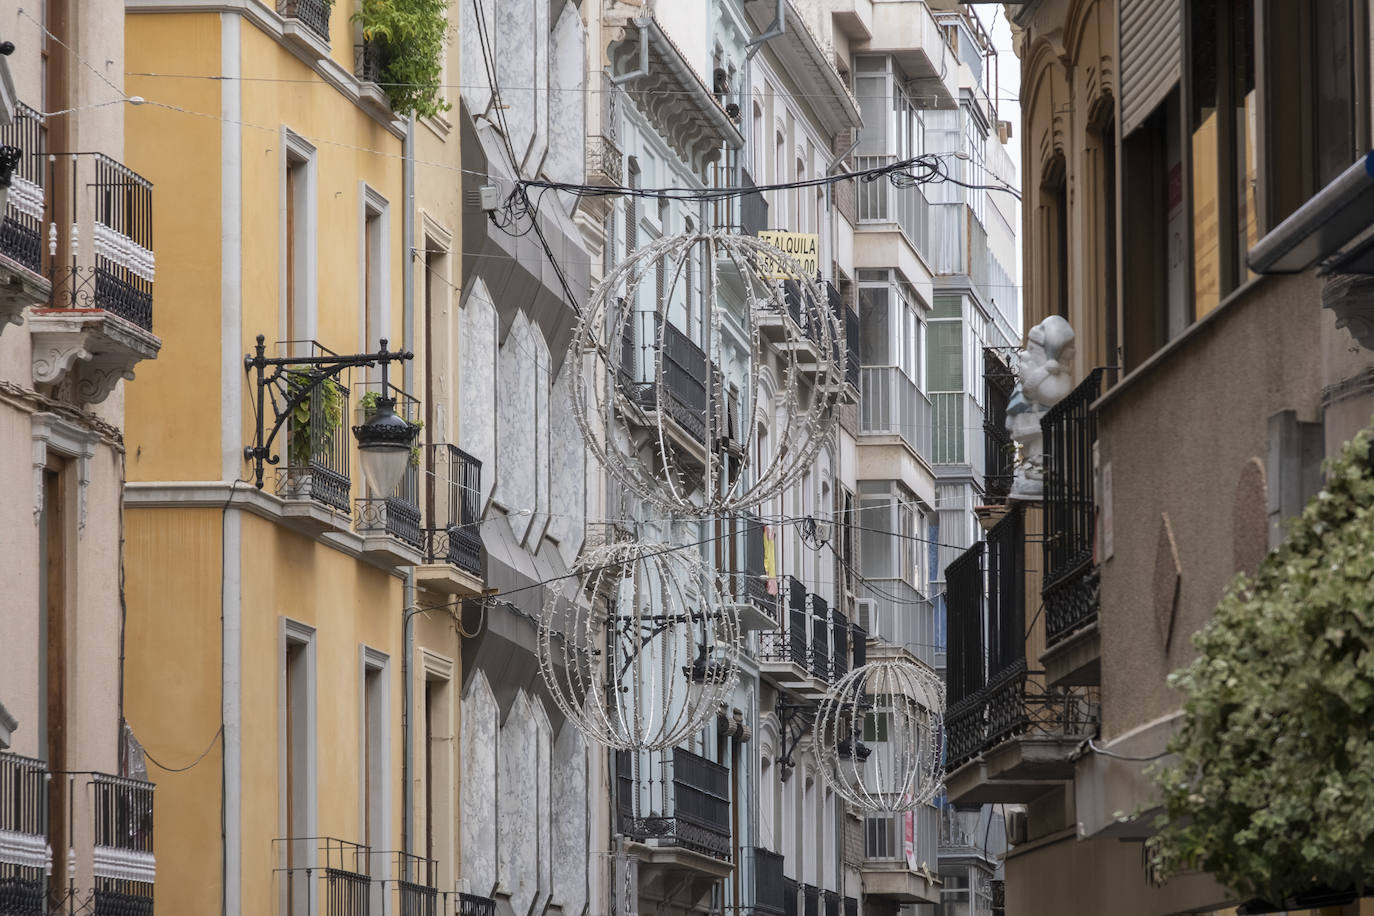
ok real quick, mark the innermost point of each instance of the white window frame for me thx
(294, 632)
(297, 149)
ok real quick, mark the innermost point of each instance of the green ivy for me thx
(299, 449)
(412, 35)
(1273, 789)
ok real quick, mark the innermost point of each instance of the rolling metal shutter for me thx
(1151, 56)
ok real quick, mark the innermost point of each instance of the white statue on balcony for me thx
(1043, 370)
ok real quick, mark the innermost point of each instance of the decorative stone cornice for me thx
(83, 353)
(19, 288)
(1351, 297)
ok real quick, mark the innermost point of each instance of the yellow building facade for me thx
(293, 642)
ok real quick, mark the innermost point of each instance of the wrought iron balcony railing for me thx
(752, 584)
(416, 893)
(25, 856)
(325, 876)
(753, 206)
(21, 229)
(657, 355)
(790, 893)
(475, 905)
(769, 887)
(100, 253)
(317, 438)
(789, 643)
(454, 509)
(603, 141)
(1071, 575)
(674, 796)
(811, 900)
(839, 644)
(998, 448)
(313, 14)
(122, 861)
(993, 696)
(850, 322)
(368, 60)
(397, 513)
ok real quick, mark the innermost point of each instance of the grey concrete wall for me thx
(1177, 434)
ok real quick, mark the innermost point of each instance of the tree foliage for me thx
(412, 35)
(1273, 791)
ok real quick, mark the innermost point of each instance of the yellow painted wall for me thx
(172, 692)
(180, 154)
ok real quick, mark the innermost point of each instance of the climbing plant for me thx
(411, 36)
(1273, 788)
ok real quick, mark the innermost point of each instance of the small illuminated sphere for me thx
(655, 655)
(877, 736)
(673, 346)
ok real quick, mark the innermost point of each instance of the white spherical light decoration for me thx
(673, 345)
(652, 658)
(877, 736)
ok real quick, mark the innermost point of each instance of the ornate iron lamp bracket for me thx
(285, 398)
(796, 720)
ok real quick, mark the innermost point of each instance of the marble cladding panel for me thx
(479, 733)
(543, 791)
(567, 504)
(516, 828)
(570, 821)
(539, 522)
(476, 90)
(539, 139)
(567, 116)
(515, 67)
(517, 443)
(477, 367)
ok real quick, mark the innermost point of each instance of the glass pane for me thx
(1203, 122)
(875, 334)
(944, 361)
(1243, 55)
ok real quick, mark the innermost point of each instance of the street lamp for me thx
(384, 441)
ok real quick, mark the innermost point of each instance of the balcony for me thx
(453, 540)
(315, 482)
(888, 870)
(1072, 648)
(768, 881)
(390, 524)
(21, 229)
(784, 653)
(849, 321)
(758, 610)
(839, 644)
(820, 637)
(998, 448)
(122, 860)
(898, 617)
(416, 880)
(1009, 736)
(677, 806)
(98, 323)
(665, 375)
(890, 404)
(958, 431)
(882, 206)
(474, 905)
(811, 900)
(753, 206)
(324, 876)
(604, 167)
(305, 25)
(790, 893)
(369, 62)
(25, 856)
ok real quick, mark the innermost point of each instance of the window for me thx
(374, 771)
(296, 730)
(439, 814)
(296, 320)
(945, 354)
(882, 837)
(374, 274)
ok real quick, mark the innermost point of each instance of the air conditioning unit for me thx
(1016, 827)
(867, 612)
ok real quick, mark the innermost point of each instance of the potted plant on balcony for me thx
(311, 429)
(410, 37)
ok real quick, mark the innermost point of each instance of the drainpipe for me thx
(407, 703)
(408, 242)
(641, 23)
(778, 27)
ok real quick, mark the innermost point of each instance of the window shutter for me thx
(1151, 56)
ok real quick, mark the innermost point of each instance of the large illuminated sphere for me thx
(673, 345)
(652, 658)
(877, 736)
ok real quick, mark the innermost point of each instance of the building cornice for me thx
(270, 23)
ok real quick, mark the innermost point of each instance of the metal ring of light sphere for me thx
(653, 657)
(776, 296)
(906, 701)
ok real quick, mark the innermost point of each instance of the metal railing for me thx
(811, 900)
(753, 206)
(789, 642)
(454, 508)
(674, 796)
(839, 644)
(998, 447)
(475, 905)
(683, 366)
(317, 437)
(21, 229)
(1071, 576)
(416, 893)
(100, 251)
(881, 201)
(398, 512)
(368, 60)
(851, 345)
(123, 835)
(769, 886)
(820, 637)
(25, 858)
(790, 891)
(752, 584)
(891, 404)
(313, 14)
(333, 881)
